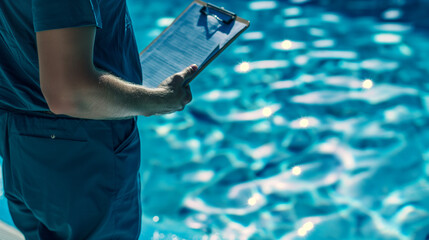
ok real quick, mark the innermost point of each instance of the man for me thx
(70, 88)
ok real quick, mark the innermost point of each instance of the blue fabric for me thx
(68, 178)
(48, 14)
(115, 49)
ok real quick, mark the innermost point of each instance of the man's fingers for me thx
(179, 95)
(188, 97)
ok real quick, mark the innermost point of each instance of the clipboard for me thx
(197, 36)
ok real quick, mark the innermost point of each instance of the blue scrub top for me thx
(115, 49)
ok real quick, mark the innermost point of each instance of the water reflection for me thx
(312, 125)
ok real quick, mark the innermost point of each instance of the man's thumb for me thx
(189, 71)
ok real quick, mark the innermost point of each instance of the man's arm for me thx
(72, 85)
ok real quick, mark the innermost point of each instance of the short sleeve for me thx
(55, 14)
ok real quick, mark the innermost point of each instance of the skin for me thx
(73, 86)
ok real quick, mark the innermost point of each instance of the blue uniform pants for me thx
(68, 178)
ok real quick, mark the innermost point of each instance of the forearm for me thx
(100, 95)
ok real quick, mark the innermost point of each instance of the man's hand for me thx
(176, 96)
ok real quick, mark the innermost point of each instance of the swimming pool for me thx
(313, 125)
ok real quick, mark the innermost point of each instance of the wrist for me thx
(154, 102)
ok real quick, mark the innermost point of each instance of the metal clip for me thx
(205, 10)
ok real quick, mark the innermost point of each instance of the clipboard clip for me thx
(205, 10)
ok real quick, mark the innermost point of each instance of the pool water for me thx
(312, 125)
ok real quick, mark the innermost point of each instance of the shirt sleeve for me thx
(55, 14)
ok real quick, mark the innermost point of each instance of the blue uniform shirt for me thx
(115, 49)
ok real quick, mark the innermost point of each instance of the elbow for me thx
(60, 101)
(59, 106)
(68, 94)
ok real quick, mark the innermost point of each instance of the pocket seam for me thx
(48, 137)
(126, 142)
(117, 151)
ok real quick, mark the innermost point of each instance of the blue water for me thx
(312, 125)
